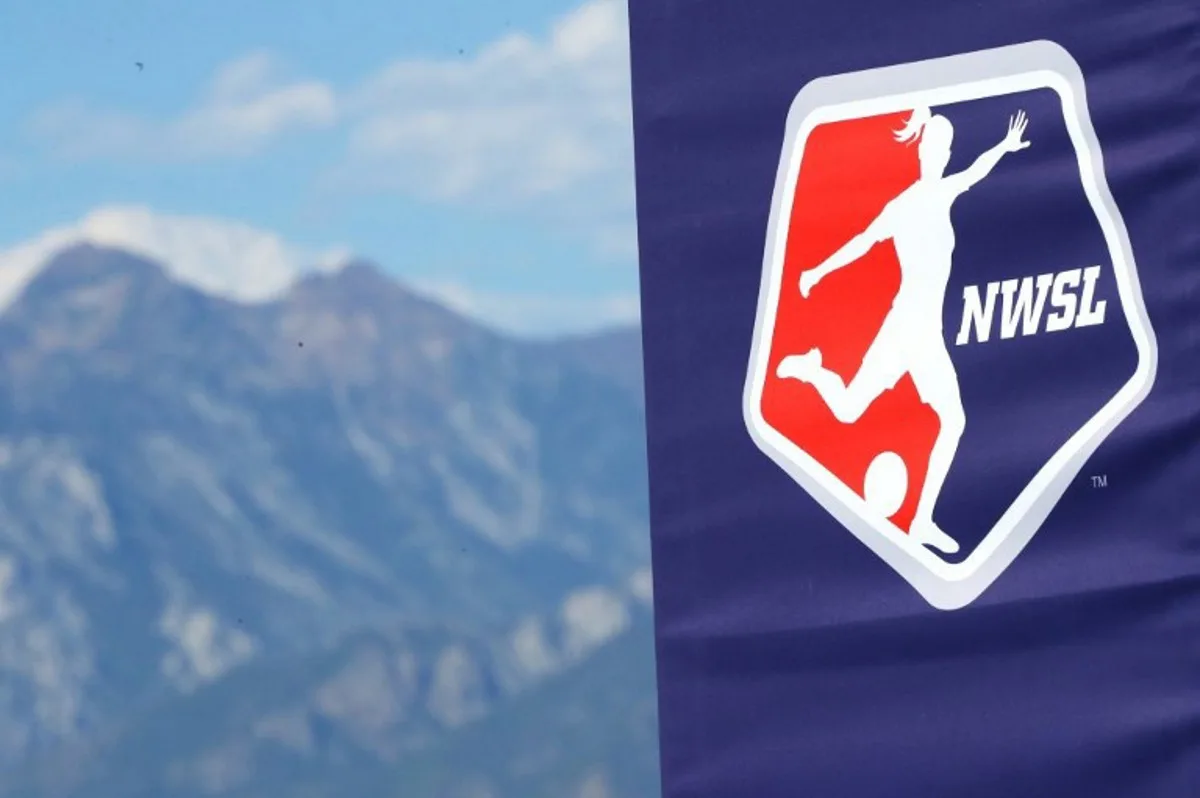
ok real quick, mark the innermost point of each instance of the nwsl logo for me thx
(944, 262)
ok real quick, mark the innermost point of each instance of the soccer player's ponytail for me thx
(916, 123)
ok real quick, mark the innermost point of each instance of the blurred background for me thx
(322, 470)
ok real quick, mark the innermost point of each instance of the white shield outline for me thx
(943, 81)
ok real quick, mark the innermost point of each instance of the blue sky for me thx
(479, 150)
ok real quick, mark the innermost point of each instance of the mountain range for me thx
(344, 541)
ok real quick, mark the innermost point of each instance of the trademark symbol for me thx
(1100, 481)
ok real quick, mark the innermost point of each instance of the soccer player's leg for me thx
(936, 381)
(881, 369)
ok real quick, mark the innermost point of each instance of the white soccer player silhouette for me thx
(910, 341)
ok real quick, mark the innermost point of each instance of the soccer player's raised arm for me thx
(984, 164)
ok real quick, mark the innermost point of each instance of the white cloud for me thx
(246, 106)
(220, 257)
(641, 585)
(592, 617)
(526, 313)
(537, 124)
(533, 124)
(525, 118)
